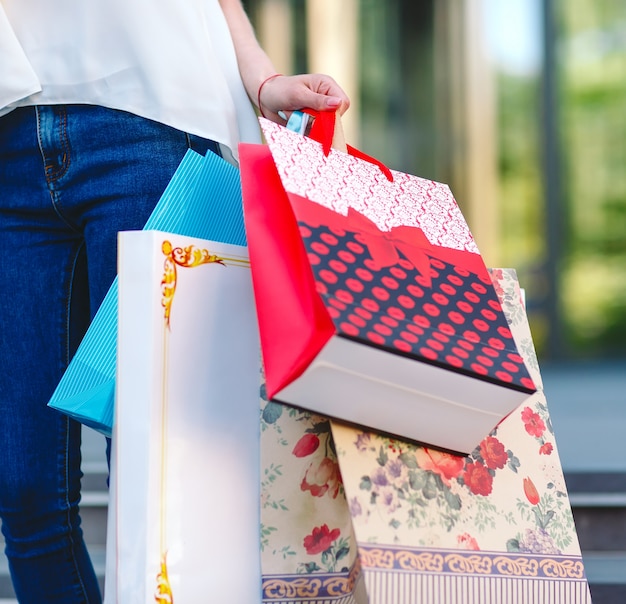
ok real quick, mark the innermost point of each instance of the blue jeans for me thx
(71, 177)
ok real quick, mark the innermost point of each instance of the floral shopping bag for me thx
(308, 548)
(494, 526)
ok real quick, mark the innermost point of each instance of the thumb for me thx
(323, 102)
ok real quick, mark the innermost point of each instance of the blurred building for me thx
(519, 105)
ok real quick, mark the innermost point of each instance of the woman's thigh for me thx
(116, 167)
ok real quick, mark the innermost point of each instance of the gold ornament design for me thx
(517, 566)
(184, 257)
(187, 257)
(420, 561)
(163, 593)
(296, 587)
(563, 569)
(279, 588)
(378, 558)
(474, 563)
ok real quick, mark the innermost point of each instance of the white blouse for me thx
(172, 61)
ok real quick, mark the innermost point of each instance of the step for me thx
(606, 568)
(598, 503)
(600, 527)
(608, 594)
(595, 482)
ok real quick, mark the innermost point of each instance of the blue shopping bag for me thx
(203, 200)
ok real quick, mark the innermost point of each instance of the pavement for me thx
(587, 403)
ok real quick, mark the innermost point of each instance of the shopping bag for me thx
(374, 304)
(308, 548)
(202, 200)
(185, 492)
(494, 526)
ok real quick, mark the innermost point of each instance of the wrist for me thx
(260, 89)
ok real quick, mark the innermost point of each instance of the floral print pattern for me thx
(508, 495)
(305, 520)
(538, 425)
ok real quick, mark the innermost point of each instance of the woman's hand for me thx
(280, 93)
(307, 91)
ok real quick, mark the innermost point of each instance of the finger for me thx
(299, 92)
(322, 102)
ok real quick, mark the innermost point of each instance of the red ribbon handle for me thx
(323, 130)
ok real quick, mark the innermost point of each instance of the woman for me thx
(99, 101)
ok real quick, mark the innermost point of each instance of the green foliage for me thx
(591, 73)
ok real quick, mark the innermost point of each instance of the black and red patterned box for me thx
(374, 303)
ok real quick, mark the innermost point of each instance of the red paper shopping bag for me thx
(374, 304)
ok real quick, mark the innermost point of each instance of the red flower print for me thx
(320, 539)
(531, 491)
(496, 274)
(493, 453)
(307, 445)
(322, 478)
(448, 466)
(478, 479)
(466, 541)
(533, 423)
(496, 279)
(546, 449)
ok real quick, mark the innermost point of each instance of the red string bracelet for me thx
(258, 95)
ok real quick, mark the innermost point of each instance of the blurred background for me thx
(520, 106)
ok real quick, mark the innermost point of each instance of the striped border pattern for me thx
(410, 575)
(316, 588)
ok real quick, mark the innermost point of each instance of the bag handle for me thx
(328, 130)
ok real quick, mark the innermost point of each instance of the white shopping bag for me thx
(184, 511)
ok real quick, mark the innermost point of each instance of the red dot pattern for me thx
(452, 319)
